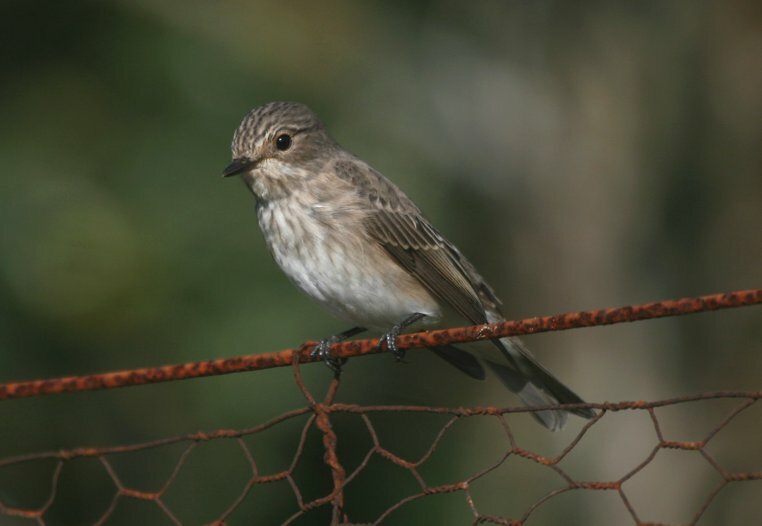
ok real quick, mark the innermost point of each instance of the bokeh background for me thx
(582, 154)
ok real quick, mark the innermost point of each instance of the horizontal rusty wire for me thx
(355, 348)
(320, 412)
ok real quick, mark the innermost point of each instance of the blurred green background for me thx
(582, 154)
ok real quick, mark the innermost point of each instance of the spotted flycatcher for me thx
(350, 239)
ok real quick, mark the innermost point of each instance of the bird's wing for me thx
(400, 228)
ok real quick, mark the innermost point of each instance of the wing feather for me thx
(416, 245)
(401, 229)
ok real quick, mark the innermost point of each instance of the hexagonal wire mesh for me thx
(319, 416)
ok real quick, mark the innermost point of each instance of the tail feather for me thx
(534, 384)
(461, 360)
(541, 377)
(531, 395)
(523, 375)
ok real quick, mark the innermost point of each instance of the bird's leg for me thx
(323, 349)
(390, 338)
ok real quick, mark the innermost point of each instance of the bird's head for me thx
(277, 146)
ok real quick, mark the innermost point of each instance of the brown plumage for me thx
(353, 241)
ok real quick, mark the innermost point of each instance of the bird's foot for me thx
(390, 338)
(322, 350)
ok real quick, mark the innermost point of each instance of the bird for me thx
(353, 241)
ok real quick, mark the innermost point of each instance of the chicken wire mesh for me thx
(338, 497)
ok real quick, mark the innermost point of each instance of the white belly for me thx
(349, 275)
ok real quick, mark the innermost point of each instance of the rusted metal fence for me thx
(319, 413)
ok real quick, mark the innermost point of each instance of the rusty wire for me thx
(320, 412)
(251, 362)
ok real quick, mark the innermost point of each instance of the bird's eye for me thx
(283, 142)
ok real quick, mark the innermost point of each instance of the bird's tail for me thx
(535, 385)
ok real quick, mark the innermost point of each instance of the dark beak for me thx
(238, 166)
